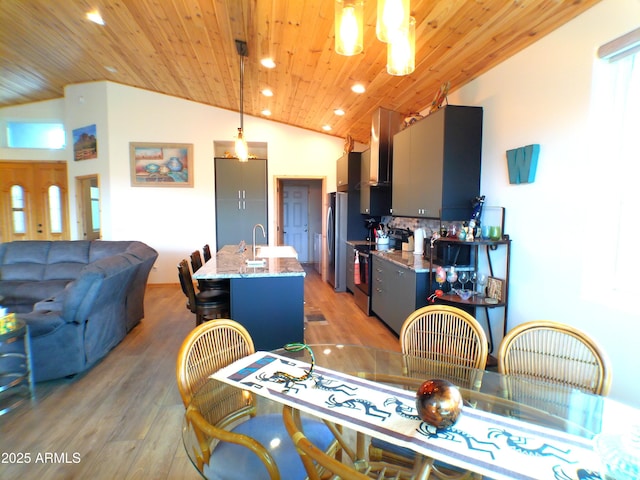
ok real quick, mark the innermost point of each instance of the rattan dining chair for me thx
(320, 465)
(445, 334)
(230, 440)
(555, 352)
(208, 348)
(457, 343)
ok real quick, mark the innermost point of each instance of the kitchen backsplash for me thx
(431, 225)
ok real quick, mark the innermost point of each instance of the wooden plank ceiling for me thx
(185, 48)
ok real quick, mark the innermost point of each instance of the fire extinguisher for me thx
(356, 270)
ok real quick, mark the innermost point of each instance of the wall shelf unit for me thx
(489, 251)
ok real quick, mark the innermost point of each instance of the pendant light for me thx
(349, 26)
(242, 149)
(392, 15)
(401, 50)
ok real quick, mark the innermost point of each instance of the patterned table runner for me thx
(493, 445)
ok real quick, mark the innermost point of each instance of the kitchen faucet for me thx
(254, 237)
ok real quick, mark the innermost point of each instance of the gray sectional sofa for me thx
(79, 298)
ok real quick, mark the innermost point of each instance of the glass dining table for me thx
(510, 427)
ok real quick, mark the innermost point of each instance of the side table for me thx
(16, 379)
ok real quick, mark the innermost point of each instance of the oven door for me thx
(362, 292)
(365, 281)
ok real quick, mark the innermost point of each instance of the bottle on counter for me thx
(418, 241)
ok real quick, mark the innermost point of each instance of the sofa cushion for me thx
(110, 265)
(28, 251)
(69, 251)
(8, 291)
(100, 250)
(42, 323)
(25, 271)
(24, 260)
(63, 271)
(32, 292)
(66, 259)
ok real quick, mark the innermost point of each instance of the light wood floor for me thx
(122, 419)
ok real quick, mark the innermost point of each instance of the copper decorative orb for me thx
(438, 403)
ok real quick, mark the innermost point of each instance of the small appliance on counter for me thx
(398, 237)
(371, 224)
(382, 243)
(418, 236)
(408, 246)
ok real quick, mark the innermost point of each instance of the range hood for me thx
(386, 123)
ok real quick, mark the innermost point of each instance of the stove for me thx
(362, 292)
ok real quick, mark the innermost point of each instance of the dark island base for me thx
(270, 308)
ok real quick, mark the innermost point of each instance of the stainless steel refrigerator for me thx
(344, 222)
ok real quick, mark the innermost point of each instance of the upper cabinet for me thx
(348, 172)
(241, 199)
(374, 200)
(436, 164)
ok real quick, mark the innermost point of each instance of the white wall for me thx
(542, 95)
(176, 221)
(87, 105)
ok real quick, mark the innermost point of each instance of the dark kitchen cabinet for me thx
(396, 292)
(401, 194)
(436, 166)
(241, 200)
(374, 200)
(348, 172)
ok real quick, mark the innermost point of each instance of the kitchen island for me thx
(267, 300)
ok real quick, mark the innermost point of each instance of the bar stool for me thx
(207, 284)
(206, 252)
(207, 304)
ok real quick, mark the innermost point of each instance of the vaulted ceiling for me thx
(186, 48)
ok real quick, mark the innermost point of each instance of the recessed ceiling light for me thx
(326, 128)
(338, 111)
(266, 112)
(111, 69)
(268, 63)
(267, 93)
(95, 17)
(358, 88)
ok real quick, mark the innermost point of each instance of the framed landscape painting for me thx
(85, 143)
(161, 164)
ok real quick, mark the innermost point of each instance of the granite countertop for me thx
(405, 259)
(414, 262)
(228, 262)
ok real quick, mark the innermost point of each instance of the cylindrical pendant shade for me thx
(392, 15)
(401, 51)
(349, 26)
(242, 149)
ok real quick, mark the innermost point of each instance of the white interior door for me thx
(296, 219)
